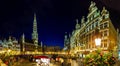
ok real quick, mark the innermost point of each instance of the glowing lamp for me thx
(97, 41)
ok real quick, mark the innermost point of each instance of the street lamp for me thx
(98, 41)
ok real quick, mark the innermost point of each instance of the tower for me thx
(23, 42)
(23, 38)
(35, 33)
(65, 39)
(41, 44)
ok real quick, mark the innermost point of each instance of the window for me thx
(105, 44)
(105, 40)
(107, 16)
(105, 25)
(101, 44)
(93, 26)
(105, 33)
(88, 28)
(101, 26)
(96, 24)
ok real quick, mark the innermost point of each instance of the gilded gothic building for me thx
(22, 45)
(97, 23)
(25, 46)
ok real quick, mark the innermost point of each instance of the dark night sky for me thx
(54, 17)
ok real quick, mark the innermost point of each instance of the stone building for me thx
(96, 24)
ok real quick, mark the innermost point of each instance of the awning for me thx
(39, 57)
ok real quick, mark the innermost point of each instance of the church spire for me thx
(65, 39)
(41, 44)
(35, 33)
(23, 38)
(23, 43)
(35, 24)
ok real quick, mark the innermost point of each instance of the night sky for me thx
(54, 17)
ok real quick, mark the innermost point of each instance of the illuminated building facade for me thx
(83, 37)
(22, 45)
(26, 46)
(35, 33)
(11, 43)
(66, 42)
(51, 48)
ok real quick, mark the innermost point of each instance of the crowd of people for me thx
(8, 60)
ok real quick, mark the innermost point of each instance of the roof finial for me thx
(76, 21)
(83, 19)
(77, 25)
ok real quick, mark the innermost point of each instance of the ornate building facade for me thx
(22, 45)
(11, 43)
(25, 46)
(35, 33)
(66, 42)
(97, 22)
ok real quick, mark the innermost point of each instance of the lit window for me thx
(105, 33)
(91, 26)
(105, 44)
(107, 16)
(88, 28)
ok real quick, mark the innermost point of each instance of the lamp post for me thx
(98, 42)
(97, 39)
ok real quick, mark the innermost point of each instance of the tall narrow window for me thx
(101, 45)
(101, 26)
(105, 25)
(105, 43)
(93, 26)
(105, 33)
(96, 24)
